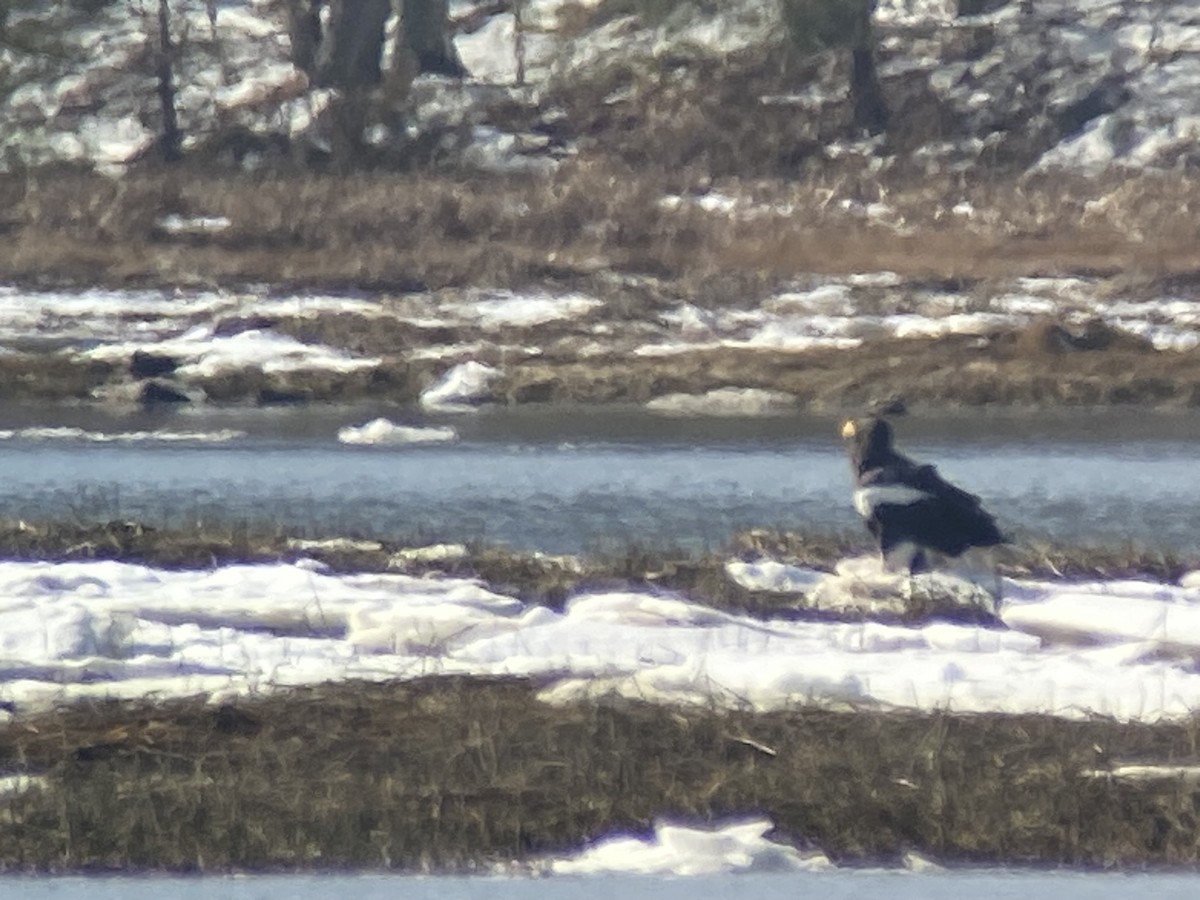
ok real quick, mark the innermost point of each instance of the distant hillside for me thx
(722, 88)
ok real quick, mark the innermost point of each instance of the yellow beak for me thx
(848, 429)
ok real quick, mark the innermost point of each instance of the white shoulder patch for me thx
(868, 499)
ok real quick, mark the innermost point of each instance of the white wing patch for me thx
(868, 499)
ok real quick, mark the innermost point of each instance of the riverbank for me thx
(549, 580)
(599, 287)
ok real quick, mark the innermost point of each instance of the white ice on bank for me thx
(1126, 649)
(461, 388)
(178, 225)
(384, 431)
(772, 575)
(682, 850)
(727, 401)
(69, 433)
(204, 353)
(202, 334)
(842, 313)
(499, 309)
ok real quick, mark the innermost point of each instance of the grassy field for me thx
(399, 231)
(458, 774)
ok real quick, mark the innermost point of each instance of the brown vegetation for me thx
(602, 229)
(401, 230)
(452, 774)
(1018, 369)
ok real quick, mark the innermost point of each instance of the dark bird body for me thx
(908, 507)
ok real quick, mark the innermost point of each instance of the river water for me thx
(574, 480)
(836, 885)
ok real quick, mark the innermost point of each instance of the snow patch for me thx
(774, 576)
(66, 433)
(97, 629)
(461, 388)
(681, 850)
(382, 431)
(728, 401)
(507, 309)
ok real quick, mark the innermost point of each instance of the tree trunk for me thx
(304, 31)
(870, 111)
(425, 31)
(841, 25)
(350, 54)
(170, 140)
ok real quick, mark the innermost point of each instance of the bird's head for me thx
(870, 441)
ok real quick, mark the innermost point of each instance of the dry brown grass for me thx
(1017, 370)
(396, 232)
(1024, 558)
(401, 231)
(449, 774)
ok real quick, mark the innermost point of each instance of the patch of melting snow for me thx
(859, 585)
(909, 12)
(841, 313)
(1125, 649)
(462, 388)
(336, 544)
(501, 152)
(177, 224)
(49, 433)
(382, 431)
(724, 204)
(428, 553)
(681, 850)
(774, 576)
(114, 323)
(14, 785)
(1141, 772)
(203, 353)
(499, 309)
(267, 351)
(727, 401)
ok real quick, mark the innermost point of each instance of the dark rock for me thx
(151, 365)
(1104, 98)
(269, 396)
(980, 7)
(154, 392)
(232, 325)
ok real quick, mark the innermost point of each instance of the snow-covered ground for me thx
(1112, 84)
(454, 332)
(843, 312)
(70, 630)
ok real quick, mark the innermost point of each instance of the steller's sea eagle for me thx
(908, 507)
